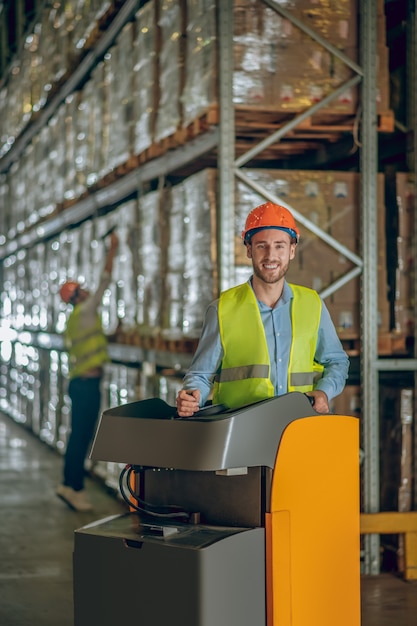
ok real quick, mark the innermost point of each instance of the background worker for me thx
(266, 337)
(87, 348)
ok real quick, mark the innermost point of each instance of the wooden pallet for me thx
(253, 124)
(388, 344)
(392, 344)
(267, 118)
(178, 345)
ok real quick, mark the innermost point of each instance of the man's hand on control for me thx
(321, 403)
(188, 402)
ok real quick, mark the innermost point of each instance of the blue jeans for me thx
(85, 398)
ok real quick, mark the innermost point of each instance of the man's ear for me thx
(248, 250)
(292, 251)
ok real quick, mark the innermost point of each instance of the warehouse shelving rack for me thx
(222, 138)
(366, 266)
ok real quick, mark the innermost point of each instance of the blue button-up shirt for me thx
(277, 323)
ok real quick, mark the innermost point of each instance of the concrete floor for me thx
(36, 542)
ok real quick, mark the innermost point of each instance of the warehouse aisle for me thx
(36, 538)
(36, 542)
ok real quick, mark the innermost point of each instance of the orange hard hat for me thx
(68, 289)
(269, 215)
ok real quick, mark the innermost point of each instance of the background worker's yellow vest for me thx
(245, 374)
(87, 346)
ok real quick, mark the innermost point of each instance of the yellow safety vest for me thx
(87, 347)
(245, 374)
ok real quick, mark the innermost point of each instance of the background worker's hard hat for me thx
(270, 215)
(68, 289)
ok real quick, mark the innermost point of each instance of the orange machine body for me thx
(312, 527)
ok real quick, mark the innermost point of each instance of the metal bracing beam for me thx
(412, 124)
(369, 283)
(314, 35)
(226, 150)
(285, 129)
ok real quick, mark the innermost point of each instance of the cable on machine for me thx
(142, 506)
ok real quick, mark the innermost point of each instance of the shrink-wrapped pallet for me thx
(170, 63)
(149, 278)
(120, 66)
(102, 77)
(144, 79)
(98, 133)
(71, 103)
(124, 277)
(5, 213)
(173, 304)
(279, 66)
(17, 199)
(199, 92)
(31, 295)
(191, 275)
(54, 43)
(46, 201)
(200, 269)
(83, 146)
(56, 157)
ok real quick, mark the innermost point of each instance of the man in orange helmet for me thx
(87, 349)
(266, 337)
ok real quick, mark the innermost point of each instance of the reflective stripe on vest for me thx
(87, 346)
(243, 338)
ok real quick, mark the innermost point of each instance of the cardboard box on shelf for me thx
(305, 74)
(404, 322)
(348, 402)
(405, 203)
(345, 317)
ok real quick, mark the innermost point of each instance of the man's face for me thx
(271, 252)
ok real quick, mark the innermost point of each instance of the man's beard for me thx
(270, 278)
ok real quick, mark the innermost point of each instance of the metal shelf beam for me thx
(369, 283)
(226, 154)
(412, 124)
(133, 355)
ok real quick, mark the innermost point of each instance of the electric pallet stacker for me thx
(247, 517)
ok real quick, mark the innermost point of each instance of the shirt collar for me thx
(286, 295)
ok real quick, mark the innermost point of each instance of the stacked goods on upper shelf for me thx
(279, 66)
(164, 275)
(185, 49)
(166, 272)
(55, 46)
(199, 89)
(170, 66)
(191, 262)
(144, 78)
(331, 201)
(159, 77)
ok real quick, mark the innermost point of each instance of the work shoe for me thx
(76, 500)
